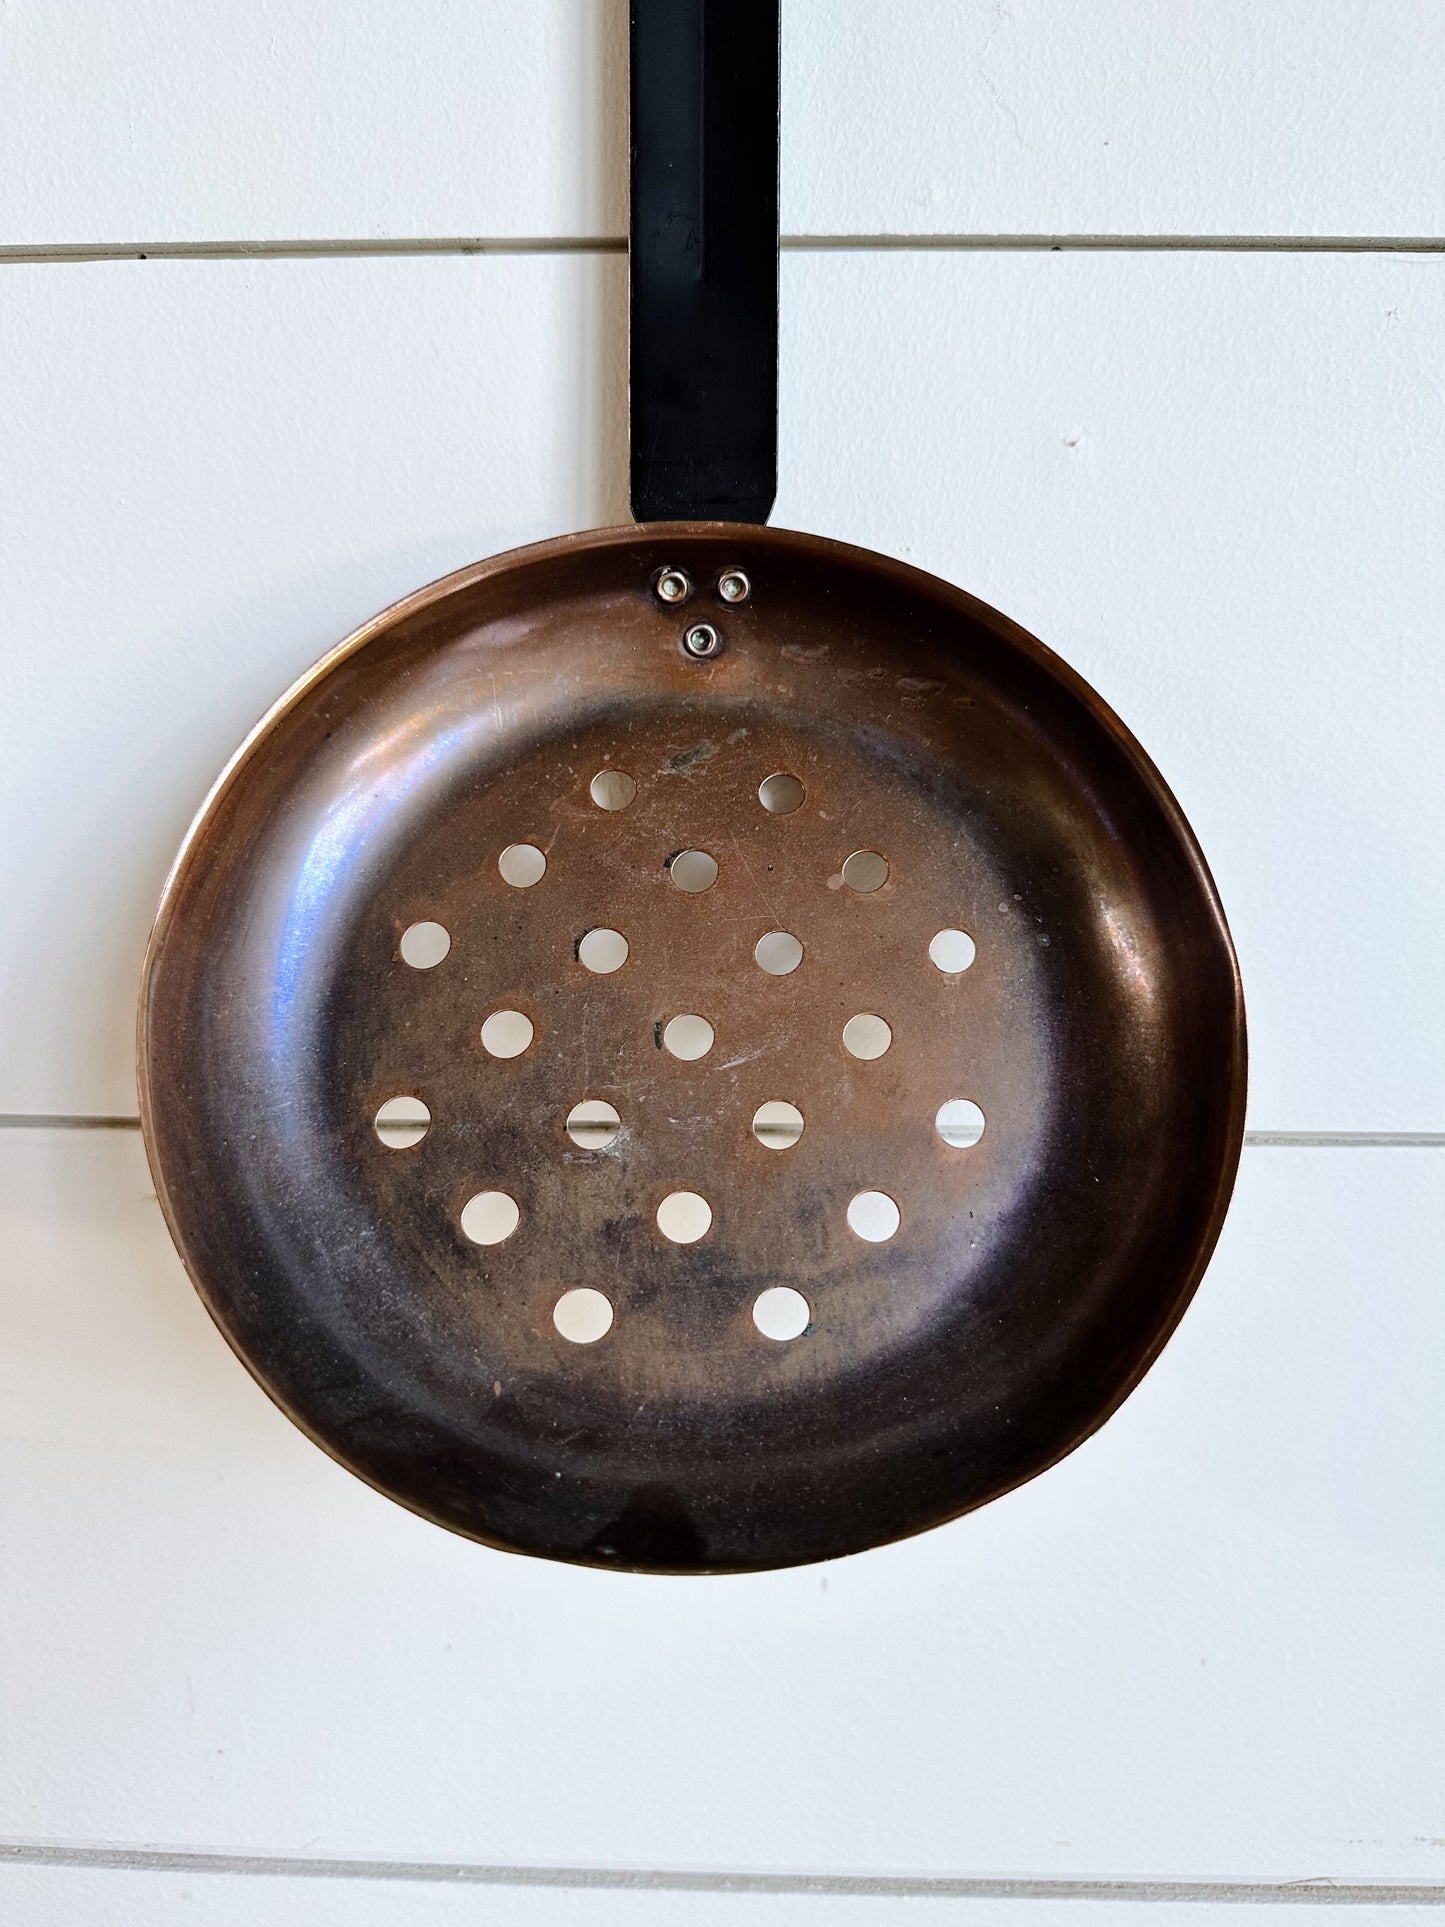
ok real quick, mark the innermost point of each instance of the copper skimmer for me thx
(693, 1047)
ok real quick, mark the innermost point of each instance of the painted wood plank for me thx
(1117, 116)
(138, 120)
(1213, 483)
(1206, 1646)
(142, 120)
(55, 1897)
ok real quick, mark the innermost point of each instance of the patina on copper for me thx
(1034, 1274)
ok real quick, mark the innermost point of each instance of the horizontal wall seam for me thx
(1344, 1140)
(360, 249)
(1115, 243)
(363, 249)
(1313, 1891)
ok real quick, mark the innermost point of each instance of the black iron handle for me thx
(704, 259)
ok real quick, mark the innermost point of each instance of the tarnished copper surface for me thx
(1034, 1274)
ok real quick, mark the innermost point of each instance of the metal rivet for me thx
(671, 585)
(702, 641)
(733, 586)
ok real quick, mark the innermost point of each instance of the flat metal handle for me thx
(704, 259)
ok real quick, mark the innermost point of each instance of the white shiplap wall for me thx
(1207, 1647)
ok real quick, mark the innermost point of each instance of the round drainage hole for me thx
(522, 865)
(873, 1216)
(490, 1217)
(402, 1122)
(423, 945)
(866, 1036)
(778, 953)
(777, 1124)
(952, 951)
(959, 1122)
(693, 871)
(506, 1033)
(612, 789)
(684, 1217)
(781, 1313)
(780, 795)
(593, 1123)
(689, 1038)
(865, 871)
(582, 1316)
(602, 952)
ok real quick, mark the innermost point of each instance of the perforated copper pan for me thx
(827, 1037)
(1034, 1272)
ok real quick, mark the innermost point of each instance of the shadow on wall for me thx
(601, 444)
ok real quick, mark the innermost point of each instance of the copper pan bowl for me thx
(1033, 1274)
